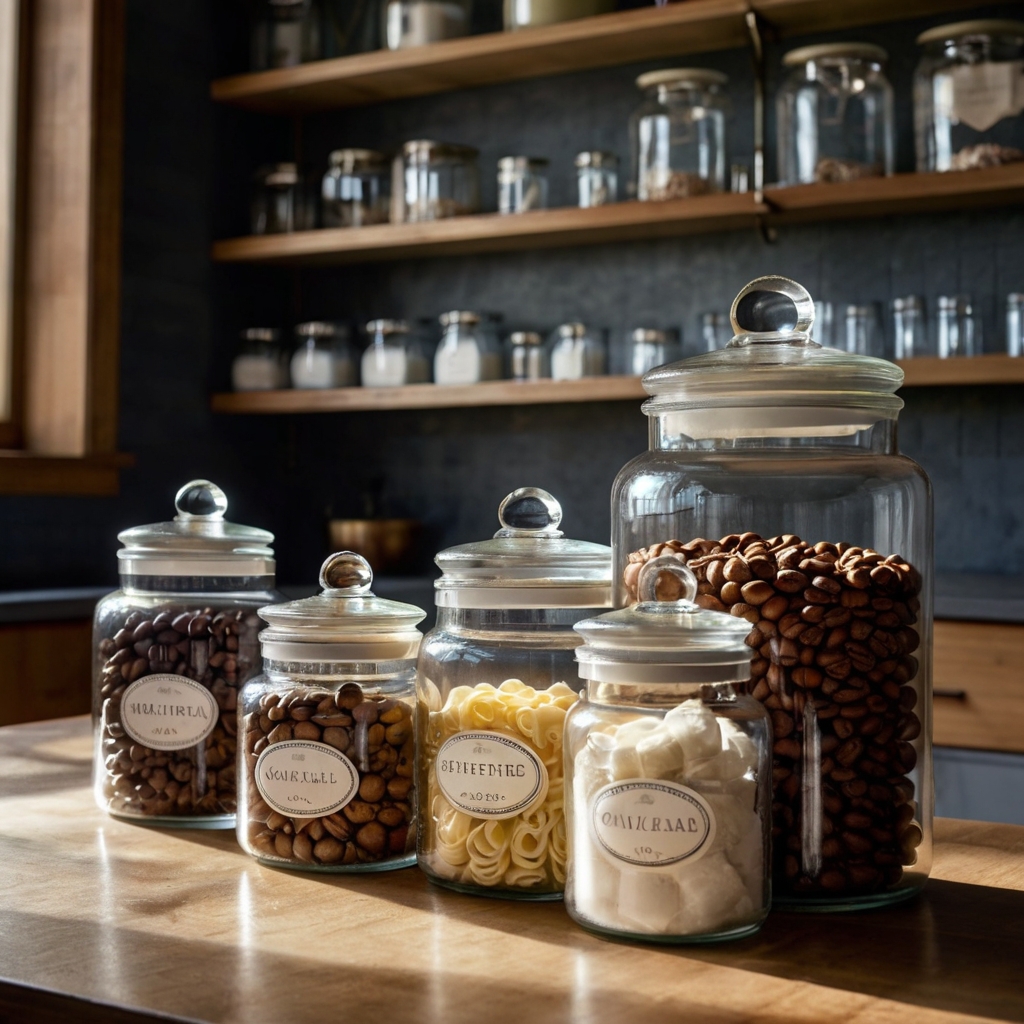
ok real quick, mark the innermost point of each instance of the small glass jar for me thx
(170, 650)
(441, 180)
(280, 203)
(393, 358)
(522, 184)
(419, 22)
(774, 472)
(495, 678)
(863, 330)
(968, 101)
(356, 190)
(326, 748)
(1015, 324)
(323, 357)
(527, 357)
(834, 114)
(466, 354)
(957, 328)
(668, 773)
(261, 362)
(909, 329)
(597, 178)
(679, 133)
(715, 331)
(577, 352)
(528, 13)
(286, 33)
(650, 347)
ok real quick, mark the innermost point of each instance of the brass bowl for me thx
(389, 545)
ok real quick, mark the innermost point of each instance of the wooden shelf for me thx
(990, 369)
(631, 221)
(625, 37)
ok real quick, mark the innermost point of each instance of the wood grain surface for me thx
(106, 921)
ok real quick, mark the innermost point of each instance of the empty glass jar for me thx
(280, 202)
(909, 329)
(597, 178)
(786, 495)
(715, 331)
(356, 190)
(323, 357)
(466, 353)
(862, 330)
(577, 351)
(261, 362)
(1015, 324)
(527, 357)
(393, 358)
(834, 114)
(650, 347)
(679, 133)
(957, 328)
(522, 184)
(968, 100)
(441, 180)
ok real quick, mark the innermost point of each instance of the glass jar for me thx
(527, 358)
(668, 769)
(326, 746)
(392, 359)
(774, 472)
(528, 13)
(441, 180)
(597, 178)
(650, 347)
(419, 22)
(909, 330)
(968, 100)
(522, 184)
(323, 358)
(466, 354)
(261, 363)
(286, 33)
(577, 352)
(957, 329)
(1015, 324)
(280, 203)
(356, 190)
(679, 133)
(863, 330)
(495, 678)
(834, 114)
(170, 650)
(715, 331)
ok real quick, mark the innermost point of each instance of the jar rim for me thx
(682, 78)
(982, 26)
(857, 51)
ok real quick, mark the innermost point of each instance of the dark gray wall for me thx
(186, 174)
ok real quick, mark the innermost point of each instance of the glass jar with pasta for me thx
(495, 679)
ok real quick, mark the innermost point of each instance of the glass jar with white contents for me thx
(495, 679)
(261, 362)
(393, 358)
(323, 357)
(576, 352)
(650, 347)
(668, 770)
(467, 352)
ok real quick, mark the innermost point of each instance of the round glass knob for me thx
(529, 510)
(346, 573)
(200, 499)
(651, 573)
(772, 305)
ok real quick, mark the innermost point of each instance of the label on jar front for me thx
(305, 779)
(652, 823)
(168, 712)
(981, 95)
(490, 775)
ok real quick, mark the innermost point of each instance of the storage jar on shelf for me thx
(440, 180)
(286, 33)
(495, 679)
(323, 357)
(576, 352)
(527, 357)
(597, 178)
(393, 358)
(650, 347)
(467, 353)
(326, 745)
(171, 649)
(261, 362)
(522, 184)
(773, 471)
(280, 201)
(356, 189)
(410, 23)
(529, 13)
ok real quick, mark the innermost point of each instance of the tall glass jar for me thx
(326, 746)
(356, 189)
(773, 470)
(467, 353)
(835, 114)
(968, 100)
(679, 133)
(441, 180)
(170, 650)
(495, 679)
(668, 768)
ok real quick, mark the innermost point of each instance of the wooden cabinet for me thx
(46, 670)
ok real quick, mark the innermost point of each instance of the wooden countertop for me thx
(105, 921)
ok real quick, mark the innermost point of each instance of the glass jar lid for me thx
(387, 327)
(348, 161)
(197, 542)
(521, 164)
(344, 622)
(459, 316)
(431, 149)
(649, 336)
(528, 563)
(982, 27)
(835, 51)
(664, 641)
(682, 78)
(597, 158)
(320, 329)
(531, 337)
(774, 380)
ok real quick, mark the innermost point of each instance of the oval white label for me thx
(490, 775)
(168, 712)
(305, 779)
(652, 823)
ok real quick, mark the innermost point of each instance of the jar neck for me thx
(659, 696)
(248, 586)
(525, 621)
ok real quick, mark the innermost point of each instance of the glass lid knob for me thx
(346, 574)
(650, 577)
(529, 512)
(772, 305)
(200, 499)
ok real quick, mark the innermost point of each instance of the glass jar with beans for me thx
(326, 743)
(171, 649)
(784, 492)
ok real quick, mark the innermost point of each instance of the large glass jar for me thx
(834, 114)
(326, 748)
(356, 189)
(968, 98)
(668, 768)
(170, 650)
(441, 180)
(679, 133)
(773, 470)
(495, 679)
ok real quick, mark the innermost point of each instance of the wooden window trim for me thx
(68, 256)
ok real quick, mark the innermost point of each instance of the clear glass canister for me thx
(441, 180)
(650, 347)
(668, 768)
(419, 22)
(467, 353)
(834, 114)
(679, 133)
(495, 679)
(527, 357)
(522, 184)
(280, 202)
(323, 357)
(286, 33)
(393, 358)
(597, 178)
(261, 362)
(326, 745)
(170, 649)
(773, 471)
(968, 98)
(577, 351)
(356, 189)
